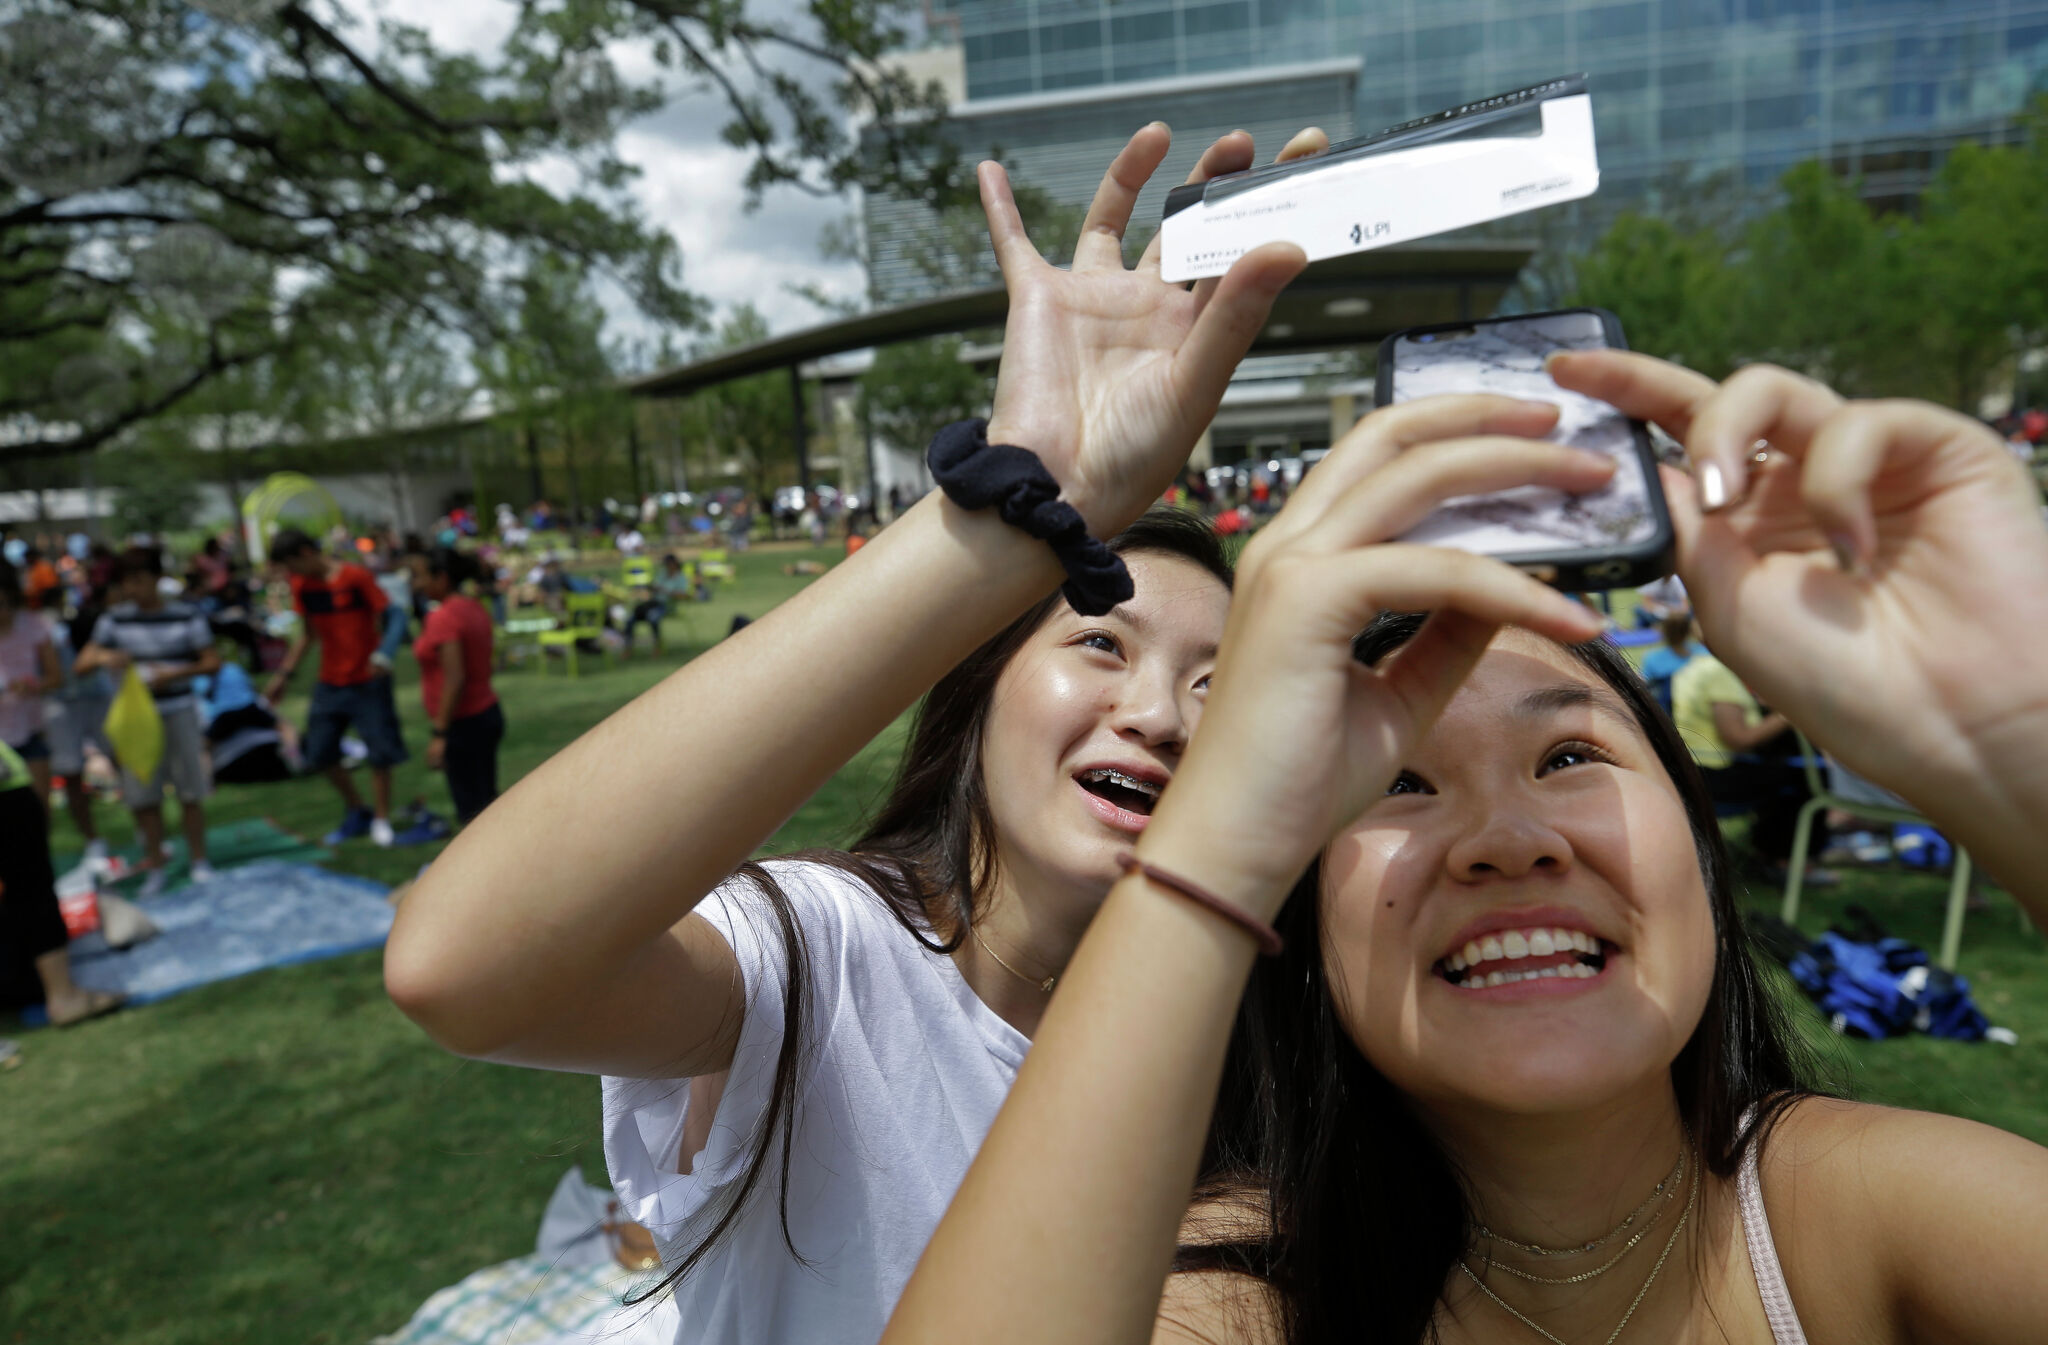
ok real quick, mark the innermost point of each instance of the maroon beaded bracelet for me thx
(1269, 940)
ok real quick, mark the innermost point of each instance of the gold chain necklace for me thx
(1612, 1261)
(1634, 1303)
(1485, 1234)
(1044, 985)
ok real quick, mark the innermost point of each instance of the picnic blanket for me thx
(228, 844)
(266, 914)
(529, 1300)
(568, 1292)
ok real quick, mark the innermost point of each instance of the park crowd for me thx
(95, 644)
(1339, 943)
(1336, 942)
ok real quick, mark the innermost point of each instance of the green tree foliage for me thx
(1984, 236)
(1669, 287)
(188, 189)
(1935, 304)
(552, 375)
(915, 388)
(155, 491)
(746, 422)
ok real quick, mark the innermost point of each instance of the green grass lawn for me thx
(283, 1158)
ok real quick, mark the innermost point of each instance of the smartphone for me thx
(1616, 537)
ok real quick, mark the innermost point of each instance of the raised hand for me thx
(1876, 573)
(1298, 738)
(1110, 374)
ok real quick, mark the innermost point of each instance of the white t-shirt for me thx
(906, 1071)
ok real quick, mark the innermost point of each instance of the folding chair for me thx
(518, 635)
(583, 615)
(715, 565)
(1959, 884)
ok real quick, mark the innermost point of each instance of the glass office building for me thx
(1878, 87)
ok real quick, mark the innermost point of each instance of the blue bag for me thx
(1885, 988)
(1921, 847)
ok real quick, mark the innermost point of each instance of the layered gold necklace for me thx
(1653, 1207)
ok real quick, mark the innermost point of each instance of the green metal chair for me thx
(518, 635)
(1816, 782)
(582, 619)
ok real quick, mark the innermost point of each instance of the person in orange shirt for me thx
(341, 606)
(40, 579)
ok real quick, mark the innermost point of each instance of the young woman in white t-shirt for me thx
(1514, 1076)
(801, 1058)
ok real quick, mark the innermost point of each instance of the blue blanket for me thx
(266, 914)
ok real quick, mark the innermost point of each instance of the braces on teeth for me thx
(1122, 781)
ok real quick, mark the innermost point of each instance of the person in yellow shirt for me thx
(1718, 716)
(1741, 749)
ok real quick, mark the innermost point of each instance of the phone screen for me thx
(1506, 356)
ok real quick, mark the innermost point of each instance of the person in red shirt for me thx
(341, 606)
(454, 652)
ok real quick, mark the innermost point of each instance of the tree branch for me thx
(305, 23)
(92, 437)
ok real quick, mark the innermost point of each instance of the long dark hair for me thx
(929, 853)
(1362, 1214)
(459, 567)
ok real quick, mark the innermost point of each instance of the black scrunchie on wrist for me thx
(975, 474)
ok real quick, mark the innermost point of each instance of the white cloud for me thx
(691, 185)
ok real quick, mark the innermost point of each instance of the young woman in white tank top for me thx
(1515, 1076)
(801, 1059)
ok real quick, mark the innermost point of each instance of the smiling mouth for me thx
(1124, 791)
(1511, 956)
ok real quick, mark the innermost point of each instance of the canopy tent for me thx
(287, 499)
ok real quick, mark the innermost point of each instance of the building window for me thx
(1859, 107)
(1703, 121)
(1130, 29)
(1913, 101)
(1677, 15)
(1614, 23)
(1218, 20)
(1454, 43)
(1014, 44)
(1218, 37)
(1539, 36)
(1070, 38)
(1786, 112)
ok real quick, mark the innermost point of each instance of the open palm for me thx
(1110, 374)
(1850, 578)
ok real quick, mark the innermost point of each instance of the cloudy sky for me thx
(690, 182)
